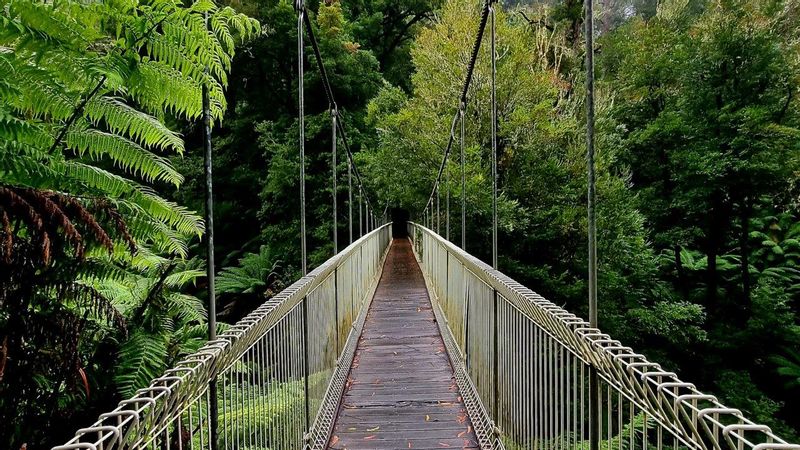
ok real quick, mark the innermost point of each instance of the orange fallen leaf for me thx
(334, 440)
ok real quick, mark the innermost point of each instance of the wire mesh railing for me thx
(523, 366)
(279, 372)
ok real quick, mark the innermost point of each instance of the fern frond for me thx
(125, 154)
(40, 95)
(170, 213)
(158, 235)
(187, 308)
(159, 87)
(178, 217)
(183, 277)
(255, 272)
(123, 119)
(142, 357)
(47, 20)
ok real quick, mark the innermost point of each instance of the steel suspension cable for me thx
(335, 190)
(438, 211)
(463, 183)
(464, 91)
(301, 114)
(360, 214)
(447, 202)
(494, 137)
(350, 200)
(595, 419)
(210, 269)
(591, 194)
(331, 99)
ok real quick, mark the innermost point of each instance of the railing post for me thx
(306, 373)
(350, 198)
(336, 308)
(447, 199)
(438, 210)
(466, 316)
(495, 358)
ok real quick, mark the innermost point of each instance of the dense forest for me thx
(102, 252)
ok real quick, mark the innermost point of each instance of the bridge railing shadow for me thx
(523, 366)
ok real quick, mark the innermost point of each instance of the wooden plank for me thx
(401, 392)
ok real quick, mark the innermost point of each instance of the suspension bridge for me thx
(403, 340)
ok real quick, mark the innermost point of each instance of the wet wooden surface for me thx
(401, 392)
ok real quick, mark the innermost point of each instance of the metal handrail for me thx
(680, 412)
(156, 416)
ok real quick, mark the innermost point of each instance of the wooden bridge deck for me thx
(401, 392)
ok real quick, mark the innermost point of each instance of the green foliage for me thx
(789, 367)
(86, 88)
(387, 28)
(739, 391)
(706, 101)
(90, 96)
(255, 273)
(164, 323)
(268, 408)
(144, 358)
(541, 167)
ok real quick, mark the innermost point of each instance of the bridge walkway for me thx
(401, 392)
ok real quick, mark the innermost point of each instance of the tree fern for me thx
(143, 357)
(255, 273)
(102, 75)
(788, 365)
(86, 92)
(125, 154)
(123, 119)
